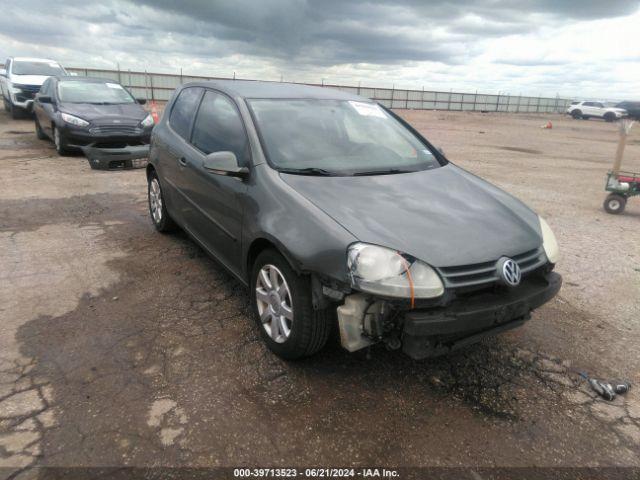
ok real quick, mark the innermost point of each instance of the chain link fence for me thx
(159, 87)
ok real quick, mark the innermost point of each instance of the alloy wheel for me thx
(155, 200)
(56, 139)
(275, 308)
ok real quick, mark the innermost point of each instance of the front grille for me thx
(486, 273)
(32, 89)
(115, 130)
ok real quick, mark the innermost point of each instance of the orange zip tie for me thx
(411, 289)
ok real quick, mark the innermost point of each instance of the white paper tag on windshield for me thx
(53, 65)
(368, 109)
(114, 85)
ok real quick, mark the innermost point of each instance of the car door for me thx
(4, 82)
(598, 109)
(172, 145)
(587, 108)
(217, 200)
(44, 111)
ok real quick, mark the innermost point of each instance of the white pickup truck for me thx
(22, 78)
(586, 110)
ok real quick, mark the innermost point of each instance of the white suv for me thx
(22, 78)
(586, 110)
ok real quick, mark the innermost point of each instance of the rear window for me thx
(183, 110)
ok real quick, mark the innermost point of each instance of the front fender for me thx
(311, 240)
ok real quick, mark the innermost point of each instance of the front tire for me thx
(60, 142)
(39, 132)
(160, 217)
(16, 112)
(282, 308)
(615, 203)
(576, 114)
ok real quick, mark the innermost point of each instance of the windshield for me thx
(36, 68)
(337, 137)
(93, 92)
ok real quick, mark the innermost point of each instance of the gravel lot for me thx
(121, 346)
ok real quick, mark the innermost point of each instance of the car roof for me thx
(35, 60)
(64, 78)
(261, 89)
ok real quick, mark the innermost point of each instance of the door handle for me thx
(182, 161)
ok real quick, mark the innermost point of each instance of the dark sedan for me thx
(328, 205)
(632, 108)
(98, 116)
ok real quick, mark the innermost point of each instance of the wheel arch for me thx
(262, 243)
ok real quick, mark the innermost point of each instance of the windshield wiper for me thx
(382, 172)
(308, 171)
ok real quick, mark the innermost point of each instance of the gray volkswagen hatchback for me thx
(336, 212)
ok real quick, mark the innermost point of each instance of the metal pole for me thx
(181, 81)
(624, 129)
(153, 97)
(449, 101)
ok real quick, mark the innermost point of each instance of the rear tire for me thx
(6, 105)
(160, 217)
(307, 330)
(609, 117)
(615, 203)
(39, 132)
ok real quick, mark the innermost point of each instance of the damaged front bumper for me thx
(433, 331)
(110, 158)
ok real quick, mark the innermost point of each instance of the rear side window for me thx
(219, 127)
(183, 110)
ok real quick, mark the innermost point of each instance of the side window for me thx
(599, 105)
(183, 110)
(46, 87)
(219, 127)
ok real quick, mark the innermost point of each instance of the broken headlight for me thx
(387, 272)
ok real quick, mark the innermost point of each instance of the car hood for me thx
(127, 113)
(36, 80)
(445, 217)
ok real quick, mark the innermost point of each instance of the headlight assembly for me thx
(549, 242)
(148, 121)
(386, 272)
(72, 120)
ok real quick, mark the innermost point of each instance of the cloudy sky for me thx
(587, 48)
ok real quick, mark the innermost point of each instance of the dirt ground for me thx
(121, 346)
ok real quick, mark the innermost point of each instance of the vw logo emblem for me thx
(509, 272)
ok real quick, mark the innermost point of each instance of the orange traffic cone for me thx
(548, 125)
(154, 112)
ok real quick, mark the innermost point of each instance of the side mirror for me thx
(440, 150)
(3, 72)
(224, 163)
(141, 101)
(44, 99)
